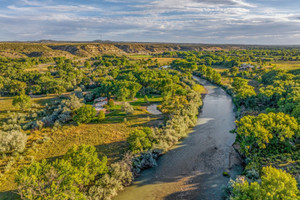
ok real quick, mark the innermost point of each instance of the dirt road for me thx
(193, 169)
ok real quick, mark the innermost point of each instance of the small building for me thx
(246, 67)
(99, 103)
(165, 67)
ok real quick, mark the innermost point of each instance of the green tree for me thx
(140, 140)
(85, 114)
(87, 64)
(276, 184)
(62, 179)
(23, 101)
(254, 133)
(101, 115)
(127, 108)
(111, 103)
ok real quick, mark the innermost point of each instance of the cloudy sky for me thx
(192, 21)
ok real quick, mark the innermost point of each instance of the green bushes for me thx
(22, 101)
(265, 130)
(64, 178)
(85, 114)
(105, 188)
(140, 140)
(127, 108)
(275, 184)
(101, 115)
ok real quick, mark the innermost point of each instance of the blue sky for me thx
(180, 21)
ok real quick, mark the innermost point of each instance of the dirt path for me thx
(193, 169)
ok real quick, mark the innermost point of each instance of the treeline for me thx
(233, 58)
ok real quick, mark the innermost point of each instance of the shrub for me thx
(101, 115)
(275, 184)
(140, 140)
(23, 101)
(111, 103)
(12, 141)
(265, 130)
(64, 179)
(127, 108)
(106, 187)
(85, 114)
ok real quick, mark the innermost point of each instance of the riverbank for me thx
(194, 168)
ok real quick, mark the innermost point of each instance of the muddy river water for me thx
(194, 168)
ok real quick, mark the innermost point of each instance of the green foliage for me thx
(85, 114)
(106, 187)
(275, 184)
(85, 159)
(87, 64)
(64, 178)
(266, 129)
(111, 103)
(23, 101)
(244, 93)
(127, 108)
(101, 115)
(140, 140)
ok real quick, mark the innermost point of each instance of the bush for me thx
(127, 108)
(101, 115)
(23, 101)
(140, 140)
(106, 187)
(272, 129)
(12, 141)
(85, 114)
(111, 103)
(63, 179)
(275, 184)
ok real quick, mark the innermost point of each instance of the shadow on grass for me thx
(9, 195)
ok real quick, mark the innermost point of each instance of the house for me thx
(246, 67)
(99, 103)
(165, 67)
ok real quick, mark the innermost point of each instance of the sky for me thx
(176, 21)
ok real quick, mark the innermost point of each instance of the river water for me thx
(194, 168)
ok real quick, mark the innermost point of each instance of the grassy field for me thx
(287, 65)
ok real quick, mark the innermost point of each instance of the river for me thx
(194, 168)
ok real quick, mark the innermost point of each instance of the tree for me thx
(146, 99)
(101, 115)
(85, 114)
(276, 184)
(23, 101)
(127, 108)
(12, 141)
(64, 178)
(140, 140)
(87, 64)
(264, 130)
(111, 103)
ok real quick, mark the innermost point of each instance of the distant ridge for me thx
(52, 48)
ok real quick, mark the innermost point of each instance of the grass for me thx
(164, 61)
(6, 107)
(287, 65)
(139, 56)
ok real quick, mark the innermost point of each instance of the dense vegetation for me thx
(267, 127)
(80, 174)
(267, 104)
